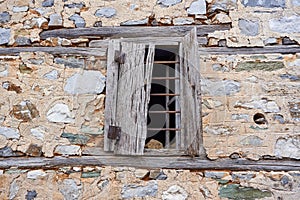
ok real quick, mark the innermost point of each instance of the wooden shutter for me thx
(190, 96)
(131, 97)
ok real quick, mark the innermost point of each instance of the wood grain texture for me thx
(150, 162)
(130, 31)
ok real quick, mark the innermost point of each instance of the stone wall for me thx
(54, 104)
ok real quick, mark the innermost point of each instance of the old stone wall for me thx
(54, 104)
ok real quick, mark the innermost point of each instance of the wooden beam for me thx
(132, 31)
(55, 50)
(151, 162)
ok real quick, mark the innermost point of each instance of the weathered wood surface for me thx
(130, 31)
(55, 50)
(151, 162)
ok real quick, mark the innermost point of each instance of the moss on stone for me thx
(265, 66)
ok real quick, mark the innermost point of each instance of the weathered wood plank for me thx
(130, 31)
(55, 50)
(151, 162)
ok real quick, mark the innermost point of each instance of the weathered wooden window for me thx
(129, 76)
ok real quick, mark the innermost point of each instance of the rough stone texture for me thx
(249, 27)
(78, 21)
(131, 191)
(35, 174)
(55, 20)
(9, 133)
(296, 2)
(107, 12)
(25, 111)
(88, 82)
(135, 22)
(31, 195)
(168, 3)
(22, 41)
(4, 35)
(265, 66)
(38, 132)
(285, 24)
(183, 21)
(174, 192)
(48, 3)
(252, 140)
(17, 9)
(60, 113)
(222, 5)
(265, 105)
(70, 62)
(4, 17)
(220, 88)
(264, 3)
(67, 150)
(70, 189)
(76, 138)
(52, 75)
(197, 7)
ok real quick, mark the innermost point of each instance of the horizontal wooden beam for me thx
(132, 31)
(151, 162)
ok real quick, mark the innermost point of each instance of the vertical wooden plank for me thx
(134, 86)
(177, 103)
(190, 95)
(111, 92)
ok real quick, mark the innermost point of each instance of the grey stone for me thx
(264, 66)
(39, 132)
(91, 130)
(69, 189)
(285, 24)
(263, 104)
(4, 35)
(131, 191)
(223, 5)
(220, 88)
(4, 17)
(78, 21)
(88, 82)
(242, 175)
(48, 3)
(288, 41)
(197, 7)
(288, 147)
(76, 138)
(218, 130)
(270, 41)
(36, 61)
(183, 21)
(296, 2)
(135, 22)
(279, 118)
(20, 9)
(168, 3)
(9, 133)
(252, 140)
(31, 195)
(70, 62)
(284, 180)
(75, 5)
(244, 117)
(289, 76)
(264, 3)
(52, 75)
(7, 152)
(249, 27)
(14, 189)
(60, 113)
(219, 67)
(67, 150)
(55, 20)
(174, 192)
(34, 174)
(214, 174)
(22, 41)
(295, 110)
(161, 176)
(107, 12)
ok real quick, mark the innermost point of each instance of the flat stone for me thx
(197, 8)
(244, 117)
(78, 21)
(55, 20)
(222, 5)
(252, 140)
(215, 174)
(219, 67)
(4, 35)
(285, 24)
(236, 191)
(4, 17)
(25, 111)
(264, 3)
(168, 3)
(75, 5)
(88, 82)
(296, 2)
(249, 27)
(17, 9)
(218, 130)
(60, 113)
(263, 104)
(39, 132)
(102, 184)
(31, 195)
(70, 62)
(48, 3)
(69, 189)
(220, 87)
(290, 76)
(36, 61)
(242, 175)
(93, 174)
(288, 41)
(91, 130)
(9, 133)
(264, 66)
(76, 138)
(132, 190)
(270, 41)
(7, 152)
(288, 147)
(183, 21)
(67, 150)
(107, 12)
(52, 75)
(141, 173)
(135, 22)
(22, 41)
(174, 192)
(35, 174)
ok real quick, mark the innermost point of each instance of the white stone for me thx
(107, 12)
(20, 9)
(60, 113)
(9, 133)
(3, 141)
(40, 21)
(52, 75)
(285, 24)
(197, 7)
(88, 82)
(36, 174)
(67, 150)
(38, 132)
(174, 192)
(288, 147)
(263, 104)
(183, 20)
(141, 173)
